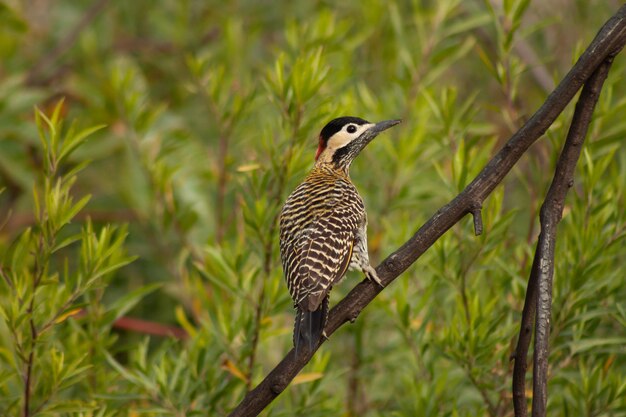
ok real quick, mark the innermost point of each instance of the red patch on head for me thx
(320, 148)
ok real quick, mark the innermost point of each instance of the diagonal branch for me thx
(543, 264)
(609, 40)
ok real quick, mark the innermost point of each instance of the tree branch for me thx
(543, 264)
(550, 216)
(609, 40)
(523, 342)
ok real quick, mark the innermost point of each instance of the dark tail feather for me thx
(309, 326)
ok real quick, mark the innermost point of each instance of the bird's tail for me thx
(309, 326)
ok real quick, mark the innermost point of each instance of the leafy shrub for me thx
(168, 212)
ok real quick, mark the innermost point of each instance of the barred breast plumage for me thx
(318, 226)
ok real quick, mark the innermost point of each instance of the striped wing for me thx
(318, 229)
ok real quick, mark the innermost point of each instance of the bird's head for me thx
(342, 139)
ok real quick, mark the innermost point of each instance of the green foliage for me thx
(45, 284)
(169, 212)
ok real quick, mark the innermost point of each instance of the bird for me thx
(323, 226)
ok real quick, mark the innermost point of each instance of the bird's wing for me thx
(318, 254)
(323, 262)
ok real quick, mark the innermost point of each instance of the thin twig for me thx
(609, 40)
(38, 272)
(478, 220)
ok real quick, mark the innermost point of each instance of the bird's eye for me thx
(351, 129)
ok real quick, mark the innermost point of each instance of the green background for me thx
(211, 113)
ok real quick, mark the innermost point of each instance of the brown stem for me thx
(31, 356)
(550, 216)
(39, 270)
(478, 220)
(523, 342)
(539, 291)
(29, 368)
(609, 40)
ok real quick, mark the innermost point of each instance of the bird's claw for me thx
(371, 274)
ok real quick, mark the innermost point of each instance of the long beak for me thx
(380, 126)
(372, 132)
(350, 151)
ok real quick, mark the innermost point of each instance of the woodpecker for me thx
(323, 226)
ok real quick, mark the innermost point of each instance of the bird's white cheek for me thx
(338, 141)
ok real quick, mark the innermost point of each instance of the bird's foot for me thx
(371, 274)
